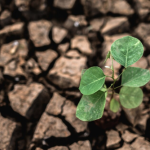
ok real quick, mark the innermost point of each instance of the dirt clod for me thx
(29, 101)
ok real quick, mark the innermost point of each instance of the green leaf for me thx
(127, 50)
(104, 89)
(92, 80)
(131, 97)
(114, 105)
(91, 107)
(135, 77)
(108, 56)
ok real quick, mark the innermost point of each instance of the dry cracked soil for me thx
(44, 45)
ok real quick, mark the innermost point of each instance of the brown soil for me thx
(44, 45)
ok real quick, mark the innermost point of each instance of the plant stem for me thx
(117, 87)
(119, 75)
(109, 76)
(114, 80)
(110, 86)
(113, 91)
(112, 67)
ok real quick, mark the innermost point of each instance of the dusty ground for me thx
(44, 45)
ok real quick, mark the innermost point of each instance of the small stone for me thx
(39, 32)
(29, 101)
(51, 88)
(128, 136)
(75, 21)
(66, 72)
(73, 54)
(62, 48)
(142, 31)
(141, 63)
(9, 134)
(121, 127)
(22, 5)
(13, 50)
(32, 67)
(95, 42)
(32, 146)
(50, 126)
(5, 18)
(58, 34)
(140, 144)
(45, 58)
(64, 4)
(32, 9)
(2, 98)
(142, 8)
(125, 147)
(81, 145)
(121, 7)
(69, 111)
(92, 8)
(16, 29)
(38, 5)
(133, 115)
(5, 14)
(76, 24)
(13, 69)
(113, 138)
(148, 86)
(38, 148)
(143, 121)
(55, 105)
(115, 25)
(81, 42)
(59, 148)
(97, 23)
(145, 100)
(148, 58)
(73, 95)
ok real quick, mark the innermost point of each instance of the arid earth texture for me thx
(44, 45)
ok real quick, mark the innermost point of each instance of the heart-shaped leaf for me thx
(91, 107)
(114, 105)
(127, 50)
(135, 77)
(91, 81)
(131, 97)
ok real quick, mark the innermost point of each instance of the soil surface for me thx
(44, 45)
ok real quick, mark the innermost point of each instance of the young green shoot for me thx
(126, 51)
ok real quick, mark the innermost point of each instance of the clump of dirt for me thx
(44, 45)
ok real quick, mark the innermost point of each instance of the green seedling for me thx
(126, 51)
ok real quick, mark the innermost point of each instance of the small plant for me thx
(126, 51)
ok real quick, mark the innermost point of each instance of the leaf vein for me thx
(93, 82)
